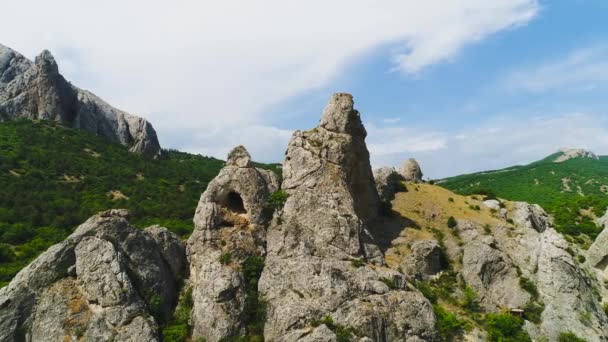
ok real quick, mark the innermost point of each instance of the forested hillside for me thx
(53, 178)
(574, 191)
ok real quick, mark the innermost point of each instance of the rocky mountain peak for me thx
(46, 63)
(38, 91)
(340, 116)
(571, 153)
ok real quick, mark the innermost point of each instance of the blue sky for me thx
(462, 85)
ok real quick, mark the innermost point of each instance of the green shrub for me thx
(585, 317)
(452, 222)
(225, 258)
(178, 329)
(528, 286)
(6, 253)
(155, 304)
(533, 311)
(254, 311)
(448, 325)
(175, 333)
(357, 262)
(504, 327)
(569, 337)
(343, 334)
(470, 300)
(581, 258)
(277, 199)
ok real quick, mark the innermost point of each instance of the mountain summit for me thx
(571, 153)
(37, 91)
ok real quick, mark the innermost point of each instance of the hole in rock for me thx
(234, 203)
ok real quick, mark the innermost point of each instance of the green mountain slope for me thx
(53, 178)
(574, 192)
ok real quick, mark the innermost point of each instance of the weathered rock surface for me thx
(37, 91)
(531, 251)
(410, 170)
(425, 261)
(229, 228)
(571, 153)
(104, 282)
(322, 228)
(388, 183)
(597, 256)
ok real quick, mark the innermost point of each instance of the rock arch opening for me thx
(234, 203)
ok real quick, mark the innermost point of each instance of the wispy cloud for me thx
(218, 66)
(582, 69)
(491, 144)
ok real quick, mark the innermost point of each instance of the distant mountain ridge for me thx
(571, 184)
(37, 91)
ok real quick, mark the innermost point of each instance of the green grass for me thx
(53, 178)
(541, 183)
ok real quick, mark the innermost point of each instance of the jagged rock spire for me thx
(238, 156)
(323, 225)
(340, 116)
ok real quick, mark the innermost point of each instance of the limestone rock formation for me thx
(317, 241)
(388, 182)
(532, 252)
(230, 224)
(410, 170)
(106, 281)
(238, 157)
(570, 153)
(37, 91)
(597, 255)
(425, 261)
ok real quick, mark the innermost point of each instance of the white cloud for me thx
(582, 69)
(383, 141)
(494, 144)
(215, 66)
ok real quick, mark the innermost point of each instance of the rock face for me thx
(315, 240)
(37, 91)
(425, 261)
(388, 183)
(498, 265)
(105, 282)
(410, 170)
(570, 153)
(230, 228)
(597, 255)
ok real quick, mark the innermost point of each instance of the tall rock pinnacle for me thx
(322, 228)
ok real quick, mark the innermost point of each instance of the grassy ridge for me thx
(53, 178)
(573, 192)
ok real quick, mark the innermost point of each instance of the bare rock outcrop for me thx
(425, 261)
(106, 281)
(37, 91)
(597, 256)
(410, 170)
(317, 241)
(571, 153)
(388, 183)
(513, 265)
(230, 227)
